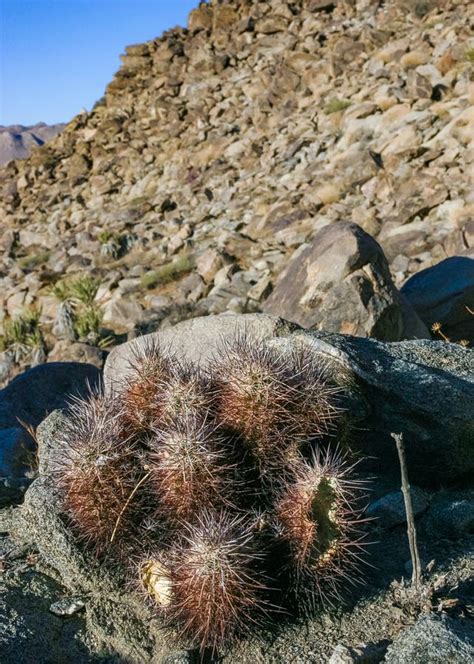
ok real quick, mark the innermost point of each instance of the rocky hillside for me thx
(222, 148)
(17, 141)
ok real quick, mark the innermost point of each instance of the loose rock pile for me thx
(220, 150)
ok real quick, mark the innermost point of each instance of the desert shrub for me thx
(77, 297)
(33, 261)
(22, 335)
(167, 273)
(335, 105)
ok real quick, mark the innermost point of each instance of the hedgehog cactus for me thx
(190, 468)
(215, 481)
(276, 401)
(211, 585)
(97, 469)
(318, 519)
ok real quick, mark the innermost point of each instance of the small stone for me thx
(208, 264)
(157, 301)
(65, 351)
(121, 314)
(67, 606)
(371, 653)
(419, 87)
(271, 24)
(261, 289)
(341, 655)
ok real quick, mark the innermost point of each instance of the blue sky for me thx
(57, 56)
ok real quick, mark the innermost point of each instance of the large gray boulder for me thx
(434, 640)
(341, 282)
(197, 339)
(424, 389)
(444, 294)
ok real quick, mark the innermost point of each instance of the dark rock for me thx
(17, 452)
(451, 514)
(37, 392)
(442, 294)
(341, 282)
(389, 511)
(405, 384)
(433, 640)
(30, 633)
(24, 403)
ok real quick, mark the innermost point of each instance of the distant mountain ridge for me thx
(17, 141)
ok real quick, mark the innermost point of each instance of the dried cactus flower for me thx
(156, 581)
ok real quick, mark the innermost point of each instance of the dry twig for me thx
(411, 530)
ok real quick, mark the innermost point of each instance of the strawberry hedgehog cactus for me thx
(223, 492)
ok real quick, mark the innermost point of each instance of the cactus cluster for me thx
(216, 489)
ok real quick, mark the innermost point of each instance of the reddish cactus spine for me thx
(319, 517)
(97, 472)
(190, 465)
(217, 588)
